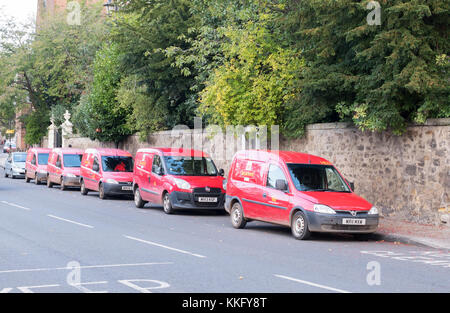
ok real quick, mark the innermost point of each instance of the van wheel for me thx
(49, 183)
(63, 185)
(27, 179)
(299, 226)
(101, 192)
(237, 216)
(83, 189)
(36, 180)
(167, 205)
(138, 199)
(6, 174)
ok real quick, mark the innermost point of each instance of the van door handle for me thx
(264, 195)
(149, 179)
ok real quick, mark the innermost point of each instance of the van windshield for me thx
(311, 177)
(117, 164)
(190, 166)
(42, 158)
(72, 160)
(20, 157)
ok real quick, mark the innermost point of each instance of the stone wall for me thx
(407, 177)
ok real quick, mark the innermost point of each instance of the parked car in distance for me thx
(299, 190)
(108, 171)
(36, 164)
(64, 166)
(15, 165)
(9, 147)
(177, 179)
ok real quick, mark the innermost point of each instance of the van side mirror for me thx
(352, 185)
(160, 171)
(95, 167)
(221, 172)
(58, 164)
(281, 184)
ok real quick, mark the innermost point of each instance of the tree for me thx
(256, 80)
(380, 76)
(99, 114)
(143, 32)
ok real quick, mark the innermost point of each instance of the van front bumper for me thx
(334, 222)
(188, 200)
(122, 188)
(72, 181)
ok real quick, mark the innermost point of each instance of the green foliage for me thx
(256, 80)
(143, 32)
(101, 116)
(381, 76)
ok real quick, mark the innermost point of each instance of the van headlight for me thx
(373, 211)
(224, 184)
(324, 209)
(182, 184)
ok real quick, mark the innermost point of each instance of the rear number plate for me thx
(207, 199)
(353, 221)
(127, 188)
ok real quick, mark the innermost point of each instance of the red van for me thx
(302, 191)
(36, 164)
(63, 168)
(177, 179)
(108, 171)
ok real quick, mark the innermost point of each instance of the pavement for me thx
(433, 236)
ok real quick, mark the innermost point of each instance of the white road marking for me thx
(86, 266)
(165, 247)
(16, 205)
(69, 221)
(27, 289)
(312, 284)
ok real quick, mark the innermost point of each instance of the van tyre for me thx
(83, 189)
(101, 192)
(27, 179)
(299, 226)
(138, 199)
(49, 183)
(63, 184)
(167, 205)
(237, 216)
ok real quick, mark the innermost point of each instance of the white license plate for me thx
(353, 221)
(207, 199)
(127, 188)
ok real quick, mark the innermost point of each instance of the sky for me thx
(22, 10)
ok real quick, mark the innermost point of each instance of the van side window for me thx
(157, 165)
(274, 173)
(96, 162)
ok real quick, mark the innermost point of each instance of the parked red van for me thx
(177, 179)
(63, 168)
(108, 171)
(36, 164)
(299, 190)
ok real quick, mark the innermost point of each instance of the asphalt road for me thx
(61, 241)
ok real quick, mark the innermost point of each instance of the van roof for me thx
(41, 150)
(176, 152)
(68, 150)
(108, 151)
(286, 156)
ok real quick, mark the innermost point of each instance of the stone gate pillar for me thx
(67, 129)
